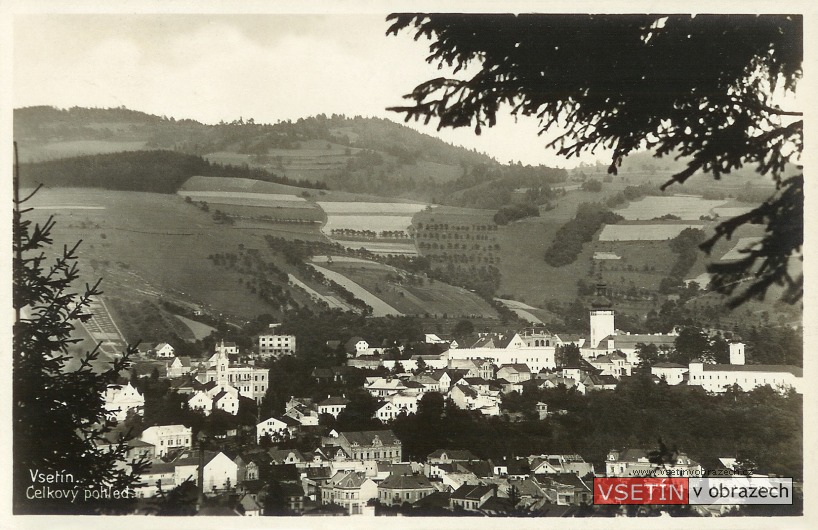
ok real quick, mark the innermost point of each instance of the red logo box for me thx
(641, 490)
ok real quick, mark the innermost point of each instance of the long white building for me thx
(509, 349)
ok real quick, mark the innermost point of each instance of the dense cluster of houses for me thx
(353, 472)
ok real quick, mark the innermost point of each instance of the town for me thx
(354, 450)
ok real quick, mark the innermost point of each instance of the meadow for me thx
(686, 207)
(643, 232)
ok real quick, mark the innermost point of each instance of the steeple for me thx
(601, 316)
(222, 362)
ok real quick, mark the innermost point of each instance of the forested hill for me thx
(151, 171)
(356, 154)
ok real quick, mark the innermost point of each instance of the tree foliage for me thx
(59, 419)
(705, 88)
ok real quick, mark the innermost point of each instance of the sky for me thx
(222, 67)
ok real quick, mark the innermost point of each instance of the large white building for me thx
(249, 380)
(167, 437)
(720, 377)
(509, 348)
(275, 345)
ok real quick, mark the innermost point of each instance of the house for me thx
(158, 475)
(355, 346)
(163, 351)
(636, 462)
(333, 373)
(385, 386)
(219, 472)
(286, 457)
(333, 406)
(122, 399)
(202, 402)
(671, 373)
(471, 497)
(276, 345)
(399, 488)
(469, 398)
(512, 468)
(250, 506)
(226, 401)
(565, 489)
(274, 428)
(388, 412)
(303, 410)
(350, 490)
(168, 437)
(370, 445)
(180, 366)
(557, 464)
(514, 373)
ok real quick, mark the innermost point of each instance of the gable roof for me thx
(351, 480)
(405, 482)
(365, 438)
(334, 400)
(471, 492)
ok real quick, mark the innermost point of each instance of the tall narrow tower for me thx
(602, 316)
(222, 362)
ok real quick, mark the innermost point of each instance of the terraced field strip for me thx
(379, 307)
(381, 247)
(332, 302)
(383, 208)
(521, 310)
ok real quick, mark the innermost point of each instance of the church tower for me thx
(737, 353)
(222, 363)
(602, 316)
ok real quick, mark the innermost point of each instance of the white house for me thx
(226, 401)
(202, 402)
(635, 462)
(120, 399)
(385, 386)
(387, 412)
(672, 373)
(220, 472)
(468, 398)
(180, 366)
(276, 428)
(167, 437)
(332, 406)
(158, 474)
(163, 351)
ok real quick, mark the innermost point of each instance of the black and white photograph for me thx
(354, 260)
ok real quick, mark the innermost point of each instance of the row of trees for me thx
(575, 233)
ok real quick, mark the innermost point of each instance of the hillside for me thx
(358, 155)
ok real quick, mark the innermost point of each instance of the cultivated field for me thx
(687, 208)
(151, 245)
(411, 297)
(643, 232)
(379, 307)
